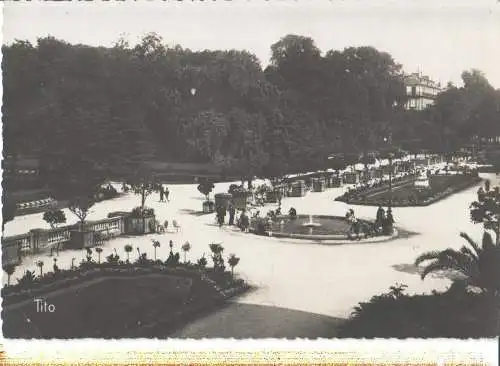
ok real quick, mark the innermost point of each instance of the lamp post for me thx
(389, 141)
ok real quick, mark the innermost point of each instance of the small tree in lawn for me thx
(128, 250)
(9, 269)
(486, 210)
(144, 189)
(217, 250)
(205, 188)
(54, 218)
(144, 185)
(78, 182)
(233, 262)
(156, 244)
(80, 207)
(89, 255)
(202, 262)
(98, 250)
(39, 264)
(186, 247)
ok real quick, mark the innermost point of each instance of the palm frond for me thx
(472, 243)
(427, 256)
(459, 261)
(434, 267)
(469, 252)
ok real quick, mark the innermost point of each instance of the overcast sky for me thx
(440, 38)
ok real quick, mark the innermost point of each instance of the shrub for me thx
(455, 313)
(292, 213)
(173, 260)
(139, 212)
(261, 225)
(113, 259)
(202, 262)
(27, 280)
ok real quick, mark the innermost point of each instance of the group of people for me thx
(221, 212)
(383, 223)
(384, 220)
(164, 193)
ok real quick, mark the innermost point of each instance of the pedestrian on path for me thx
(162, 193)
(167, 193)
(232, 213)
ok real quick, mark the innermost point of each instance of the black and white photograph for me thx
(250, 170)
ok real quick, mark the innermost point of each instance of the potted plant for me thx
(142, 220)
(205, 188)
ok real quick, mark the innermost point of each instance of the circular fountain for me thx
(317, 228)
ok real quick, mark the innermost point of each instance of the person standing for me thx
(232, 212)
(379, 222)
(167, 194)
(162, 193)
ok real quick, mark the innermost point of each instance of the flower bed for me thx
(130, 301)
(404, 194)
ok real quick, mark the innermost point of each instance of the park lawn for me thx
(146, 305)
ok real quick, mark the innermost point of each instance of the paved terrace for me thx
(301, 277)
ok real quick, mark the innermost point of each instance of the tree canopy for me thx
(121, 106)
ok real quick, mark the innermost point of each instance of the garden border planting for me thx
(396, 203)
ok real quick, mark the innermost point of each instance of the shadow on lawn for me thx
(236, 320)
(194, 212)
(410, 268)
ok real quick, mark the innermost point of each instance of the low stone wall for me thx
(40, 240)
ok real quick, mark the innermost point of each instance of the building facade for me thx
(421, 91)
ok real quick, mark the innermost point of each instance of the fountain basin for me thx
(318, 228)
(310, 224)
(315, 227)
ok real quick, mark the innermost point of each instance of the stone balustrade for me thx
(39, 240)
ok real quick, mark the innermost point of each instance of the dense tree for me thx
(54, 217)
(486, 210)
(122, 106)
(8, 209)
(471, 110)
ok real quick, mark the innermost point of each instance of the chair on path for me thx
(176, 225)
